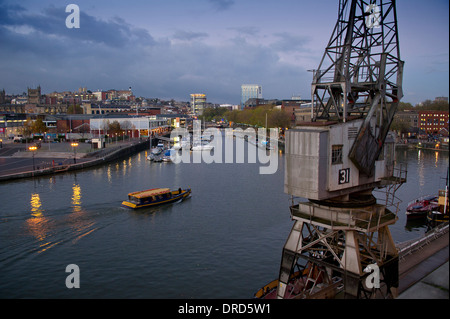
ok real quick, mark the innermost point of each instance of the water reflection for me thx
(36, 205)
(37, 224)
(79, 221)
(421, 167)
(108, 174)
(76, 198)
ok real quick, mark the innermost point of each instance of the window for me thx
(336, 154)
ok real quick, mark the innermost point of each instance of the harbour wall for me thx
(97, 158)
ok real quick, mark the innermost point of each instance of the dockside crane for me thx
(340, 240)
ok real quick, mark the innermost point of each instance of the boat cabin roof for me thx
(150, 192)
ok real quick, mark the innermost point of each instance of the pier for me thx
(423, 266)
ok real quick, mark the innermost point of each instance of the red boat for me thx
(420, 207)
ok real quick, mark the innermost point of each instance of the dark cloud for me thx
(37, 48)
(8, 12)
(52, 22)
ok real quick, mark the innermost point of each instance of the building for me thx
(132, 126)
(303, 113)
(89, 108)
(406, 123)
(11, 124)
(34, 95)
(100, 95)
(198, 103)
(254, 102)
(2, 97)
(432, 122)
(296, 110)
(250, 91)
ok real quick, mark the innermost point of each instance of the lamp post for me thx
(33, 149)
(74, 145)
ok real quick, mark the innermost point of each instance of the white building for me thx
(249, 91)
(136, 126)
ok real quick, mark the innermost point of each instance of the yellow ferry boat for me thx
(154, 197)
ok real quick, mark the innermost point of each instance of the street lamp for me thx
(74, 145)
(33, 149)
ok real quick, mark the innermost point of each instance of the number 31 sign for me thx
(344, 176)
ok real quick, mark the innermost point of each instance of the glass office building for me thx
(198, 103)
(249, 91)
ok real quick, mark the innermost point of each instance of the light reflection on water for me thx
(76, 198)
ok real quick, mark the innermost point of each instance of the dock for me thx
(423, 266)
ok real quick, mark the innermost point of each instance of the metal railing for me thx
(412, 246)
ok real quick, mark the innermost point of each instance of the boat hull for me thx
(421, 207)
(176, 197)
(435, 218)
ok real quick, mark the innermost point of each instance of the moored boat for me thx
(420, 207)
(440, 215)
(158, 149)
(203, 146)
(155, 197)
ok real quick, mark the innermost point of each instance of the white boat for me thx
(202, 147)
(158, 149)
(156, 152)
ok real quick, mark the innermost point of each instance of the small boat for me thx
(440, 215)
(420, 207)
(154, 197)
(203, 146)
(156, 153)
(158, 149)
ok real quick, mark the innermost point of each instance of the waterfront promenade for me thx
(423, 266)
(16, 161)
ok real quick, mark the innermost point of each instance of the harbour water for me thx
(223, 242)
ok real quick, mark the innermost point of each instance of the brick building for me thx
(434, 122)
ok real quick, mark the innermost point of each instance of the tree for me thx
(211, 113)
(278, 118)
(114, 127)
(404, 106)
(258, 116)
(36, 126)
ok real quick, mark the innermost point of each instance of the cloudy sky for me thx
(171, 48)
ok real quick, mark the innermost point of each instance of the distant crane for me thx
(340, 239)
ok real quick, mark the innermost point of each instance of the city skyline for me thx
(174, 48)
